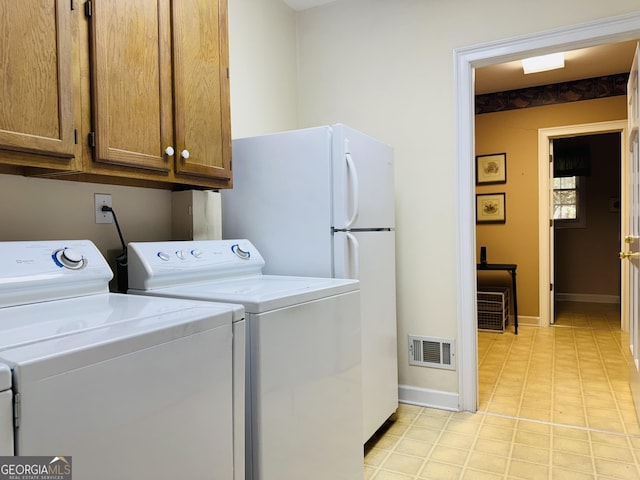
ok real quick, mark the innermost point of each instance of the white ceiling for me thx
(579, 64)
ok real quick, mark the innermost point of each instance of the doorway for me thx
(586, 221)
(547, 229)
(612, 30)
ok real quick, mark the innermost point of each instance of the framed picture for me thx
(490, 208)
(491, 168)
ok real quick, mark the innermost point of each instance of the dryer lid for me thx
(263, 293)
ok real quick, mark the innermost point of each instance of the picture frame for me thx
(491, 208)
(491, 169)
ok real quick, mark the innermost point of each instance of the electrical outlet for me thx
(101, 199)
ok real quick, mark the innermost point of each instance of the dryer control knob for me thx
(71, 259)
(242, 252)
(180, 254)
(196, 253)
(164, 256)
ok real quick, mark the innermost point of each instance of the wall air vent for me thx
(432, 352)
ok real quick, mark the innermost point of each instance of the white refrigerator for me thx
(320, 202)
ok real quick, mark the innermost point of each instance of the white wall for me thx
(262, 62)
(386, 67)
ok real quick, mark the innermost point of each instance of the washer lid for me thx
(262, 293)
(143, 329)
(104, 313)
(5, 377)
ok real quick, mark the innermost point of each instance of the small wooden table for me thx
(506, 267)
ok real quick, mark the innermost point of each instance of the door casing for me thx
(466, 60)
(545, 252)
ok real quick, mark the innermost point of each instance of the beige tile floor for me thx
(554, 403)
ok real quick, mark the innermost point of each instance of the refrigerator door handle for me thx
(353, 241)
(355, 190)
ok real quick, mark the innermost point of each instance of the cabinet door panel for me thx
(36, 99)
(201, 88)
(131, 82)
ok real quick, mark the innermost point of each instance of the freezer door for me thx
(362, 181)
(370, 257)
(281, 200)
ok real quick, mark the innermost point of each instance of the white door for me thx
(630, 253)
(363, 186)
(370, 257)
(552, 295)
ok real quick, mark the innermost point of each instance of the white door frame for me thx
(545, 135)
(610, 30)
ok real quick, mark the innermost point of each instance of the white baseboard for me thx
(426, 397)
(587, 297)
(526, 320)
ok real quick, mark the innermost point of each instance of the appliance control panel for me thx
(36, 271)
(159, 264)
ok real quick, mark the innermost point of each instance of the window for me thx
(568, 204)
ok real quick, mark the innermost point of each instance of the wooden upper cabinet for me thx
(131, 82)
(36, 91)
(159, 83)
(201, 88)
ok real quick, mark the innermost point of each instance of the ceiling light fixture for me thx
(543, 63)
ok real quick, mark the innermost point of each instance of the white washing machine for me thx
(6, 412)
(303, 376)
(129, 387)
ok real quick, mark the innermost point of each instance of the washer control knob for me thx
(71, 258)
(196, 253)
(180, 254)
(242, 252)
(164, 256)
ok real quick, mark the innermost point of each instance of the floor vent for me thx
(432, 352)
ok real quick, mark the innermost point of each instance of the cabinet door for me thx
(201, 88)
(131, 82)
(36, 91)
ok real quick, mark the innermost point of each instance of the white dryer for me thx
(303, 376)
(128, 387)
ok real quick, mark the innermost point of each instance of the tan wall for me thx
(516, 133)
(45, 209)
